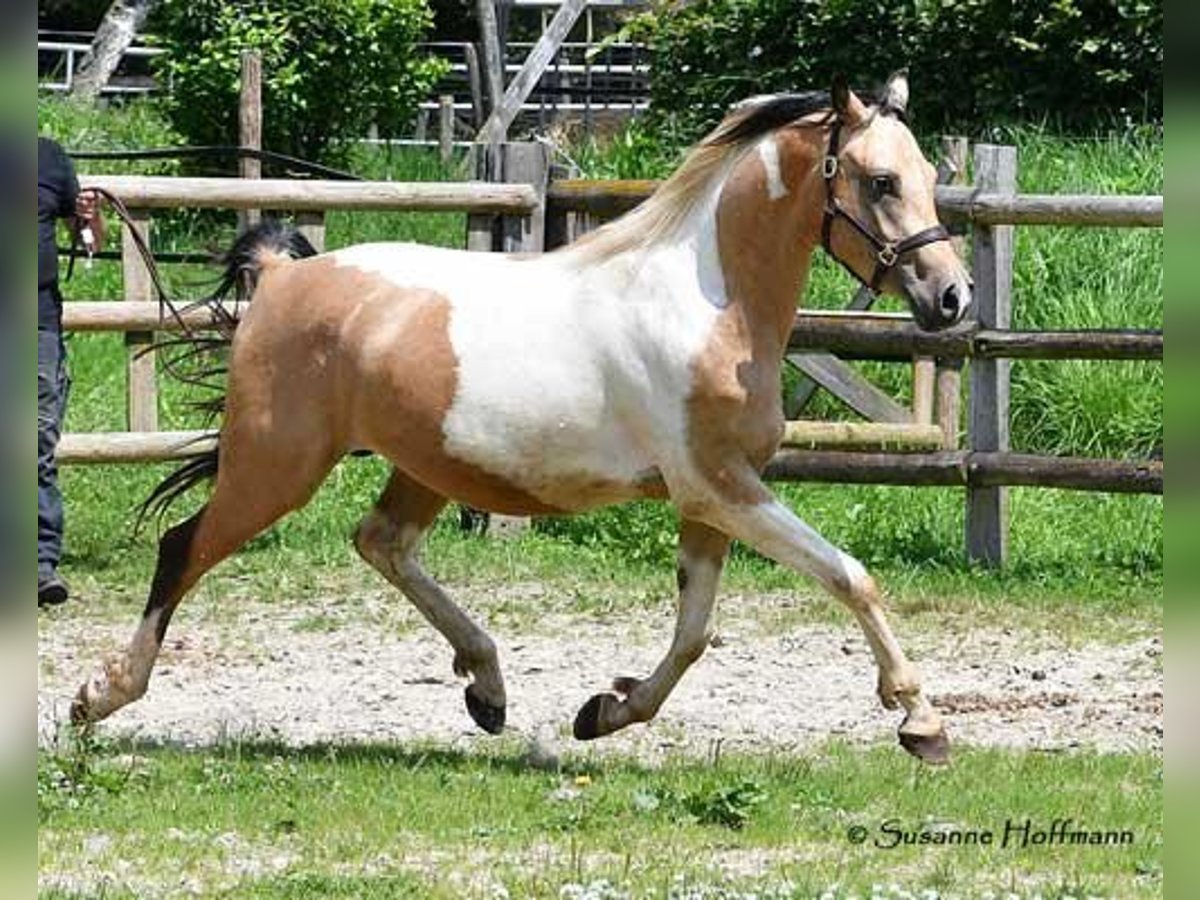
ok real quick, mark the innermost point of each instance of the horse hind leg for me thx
(702, 552)
(252, 492)
(389, 538)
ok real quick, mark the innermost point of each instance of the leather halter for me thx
(887, 253)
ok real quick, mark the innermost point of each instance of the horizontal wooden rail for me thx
(852, 335)
(161, 192)
(861, 436)
(966, 204)
(945, 468)
(899, 338)
(607, 199)
(133, 446)
(964, 468)
(131, 315)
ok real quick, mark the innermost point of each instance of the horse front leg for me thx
(701, 556)
(744, 508)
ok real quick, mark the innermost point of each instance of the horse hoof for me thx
(933, 749)
(489, 718)
(587, 721)
(80, 709)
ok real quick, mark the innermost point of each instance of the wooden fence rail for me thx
(161, 192)
(955, 205)
(967, 468)
(860, 336)
(875, 336)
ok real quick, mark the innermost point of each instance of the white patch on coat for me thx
(768, 152)
(570, 375)
(775, 531)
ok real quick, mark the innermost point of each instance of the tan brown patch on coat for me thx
(735, 417)
(378, 360)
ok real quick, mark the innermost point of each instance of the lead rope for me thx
(164, 301)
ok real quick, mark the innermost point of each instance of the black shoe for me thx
(52, 590)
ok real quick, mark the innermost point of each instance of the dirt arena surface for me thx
(343, 672)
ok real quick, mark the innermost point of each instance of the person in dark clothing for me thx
(59, 197)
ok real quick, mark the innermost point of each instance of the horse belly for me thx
(535, 406)
(566, 448)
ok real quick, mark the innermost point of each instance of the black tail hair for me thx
(199, 358)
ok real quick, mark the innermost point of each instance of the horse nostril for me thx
(951, 304)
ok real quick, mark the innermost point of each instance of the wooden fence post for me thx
(557, 229)
(311, 224)
(141, 397)
(475, 80)
(493, 57)
(445, 128)
(991, 263)
(250, 126)
(948, 372)
(526, 162)
(515, 163)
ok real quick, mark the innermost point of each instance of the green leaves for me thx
(331, 69)
(973, 62)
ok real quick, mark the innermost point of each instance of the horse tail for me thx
(200, 358)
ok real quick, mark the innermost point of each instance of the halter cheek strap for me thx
(887, 253)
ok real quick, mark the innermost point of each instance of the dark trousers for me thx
(53, 387)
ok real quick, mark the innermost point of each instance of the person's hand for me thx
(87, 204)
(88, 219)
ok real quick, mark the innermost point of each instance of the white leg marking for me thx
(123, 678)
(774, 530)
(768, 152)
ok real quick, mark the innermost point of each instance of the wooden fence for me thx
(521, 210)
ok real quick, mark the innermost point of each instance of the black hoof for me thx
(489, 718)
(81, 714)
(933, 749)
(587, 720)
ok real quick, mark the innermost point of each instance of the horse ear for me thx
(840, 94)
(895, 95)
(845, 102)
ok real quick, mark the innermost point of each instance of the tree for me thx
(116, 32)
(331, 69)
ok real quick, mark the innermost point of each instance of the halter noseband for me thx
(887, 253)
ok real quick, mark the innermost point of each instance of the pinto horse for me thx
(642, 361)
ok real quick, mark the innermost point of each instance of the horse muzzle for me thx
(942, 307)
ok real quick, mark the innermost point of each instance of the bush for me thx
(331, 68)
(972, 62)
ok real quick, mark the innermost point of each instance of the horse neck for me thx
(767, 225)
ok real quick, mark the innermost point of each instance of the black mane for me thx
(757, 117)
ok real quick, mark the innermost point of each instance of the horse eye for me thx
(882, 186)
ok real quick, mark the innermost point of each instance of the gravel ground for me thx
(312, 673)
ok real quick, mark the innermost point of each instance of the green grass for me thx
(1073, 554)
(259, 820)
